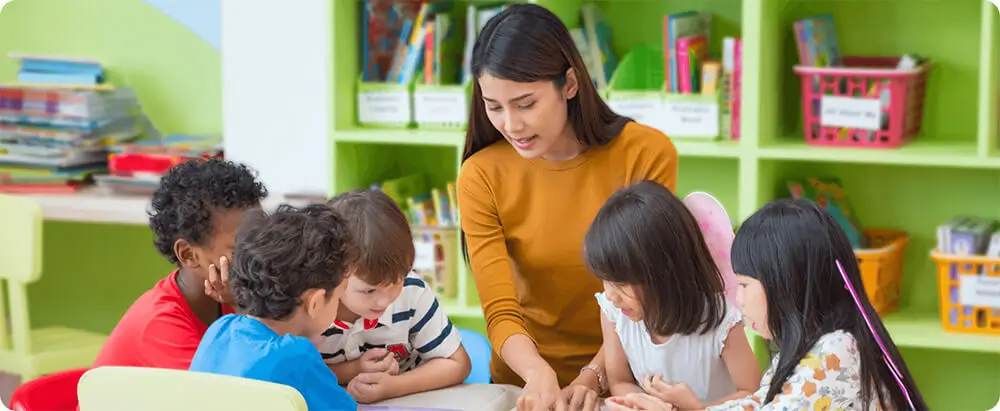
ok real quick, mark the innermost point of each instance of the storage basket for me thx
(868, 103)
(969, 288)
(882, 267)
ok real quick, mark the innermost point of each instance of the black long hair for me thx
(791, 247)
(528, 43)
(645, 236)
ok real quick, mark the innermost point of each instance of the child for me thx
(287, 277)
(668, 328)
(391, 337)
(193, 216)
(792, 292)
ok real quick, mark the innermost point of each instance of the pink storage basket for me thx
(901, 92)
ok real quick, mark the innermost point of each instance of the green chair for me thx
(760, 348)
(28, 352)
(156, 389)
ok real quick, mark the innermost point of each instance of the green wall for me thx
(93, 272)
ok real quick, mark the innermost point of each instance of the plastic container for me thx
(636, 90)
(882, 267)
(969, 290)
(385, 105)
(868, 103)
(441, 107)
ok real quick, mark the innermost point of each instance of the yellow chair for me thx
(155, 389)
(24, 351)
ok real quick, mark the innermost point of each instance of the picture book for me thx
(816, 39)
(711, 73)
(602, 60)
(691, 51)
(675, 26)
(382, 21)
(828, 194)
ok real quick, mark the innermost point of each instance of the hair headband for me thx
(885, 354)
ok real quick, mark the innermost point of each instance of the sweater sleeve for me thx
(487, 248)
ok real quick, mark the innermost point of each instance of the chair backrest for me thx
(154, 389)
(20, 239)
(480, 354)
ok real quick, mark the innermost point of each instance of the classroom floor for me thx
(8, 382)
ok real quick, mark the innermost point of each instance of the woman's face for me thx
(532, 116)
(753, 303)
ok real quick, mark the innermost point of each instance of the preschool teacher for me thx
(543, 152)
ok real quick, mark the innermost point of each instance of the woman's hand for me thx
(581, 394)
(541, 391)
(679, 395)
(637, 402)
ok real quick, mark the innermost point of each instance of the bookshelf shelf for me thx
(922, 329)
(442, 138)
(709, 149)
(931, 153)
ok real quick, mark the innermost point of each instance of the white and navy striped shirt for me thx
(414, 328)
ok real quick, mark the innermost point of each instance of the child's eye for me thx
(372, 291)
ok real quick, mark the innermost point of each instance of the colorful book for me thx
(675, 26)
(690, 51)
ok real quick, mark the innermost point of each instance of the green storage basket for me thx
(385, 105)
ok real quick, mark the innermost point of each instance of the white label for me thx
(851, 112)
(423, 258)
(440, 107)
(982, 291)
(646, 111)
(689, 119)
(384, 107)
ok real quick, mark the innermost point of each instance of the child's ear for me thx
(187, 254)
(314, 300)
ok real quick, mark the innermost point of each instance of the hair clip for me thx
(885, 354)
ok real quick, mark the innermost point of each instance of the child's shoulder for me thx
(840, 342)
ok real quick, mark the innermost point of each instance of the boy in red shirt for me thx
(193, 216)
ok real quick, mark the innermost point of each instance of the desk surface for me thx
(94, 205)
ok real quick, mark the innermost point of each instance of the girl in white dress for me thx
(668, 329)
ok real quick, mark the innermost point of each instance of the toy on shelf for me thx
(968, 263)
(855, 101)
(717, 229)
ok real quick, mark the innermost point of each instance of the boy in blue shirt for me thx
(287, 276)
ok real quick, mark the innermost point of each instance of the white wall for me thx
(277, 107)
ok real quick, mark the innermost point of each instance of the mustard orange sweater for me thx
(524, 222)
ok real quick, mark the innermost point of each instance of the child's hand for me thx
(379, 360)
(637, 402)
(370, 387)
(217, 284)
(680, 395)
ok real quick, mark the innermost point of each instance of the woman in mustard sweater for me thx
(543, 152)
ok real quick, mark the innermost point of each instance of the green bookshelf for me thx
(953, 167)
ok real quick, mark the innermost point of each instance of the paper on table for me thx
(400, 408)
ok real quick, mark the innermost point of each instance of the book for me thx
(690, 51)
(711, 73)
(686, 24)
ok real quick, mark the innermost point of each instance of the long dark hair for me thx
(645, 236)
(791, 247)
(528, 43)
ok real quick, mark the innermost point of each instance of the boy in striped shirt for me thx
(391, 337)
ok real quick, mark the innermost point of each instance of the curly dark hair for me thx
(279, 256)
(188, 195)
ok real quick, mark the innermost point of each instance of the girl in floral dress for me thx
(800, 287)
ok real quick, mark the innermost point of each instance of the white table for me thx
(465, 397)
(94, 205)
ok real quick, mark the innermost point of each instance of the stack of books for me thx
(53, 135)
(136, 168)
